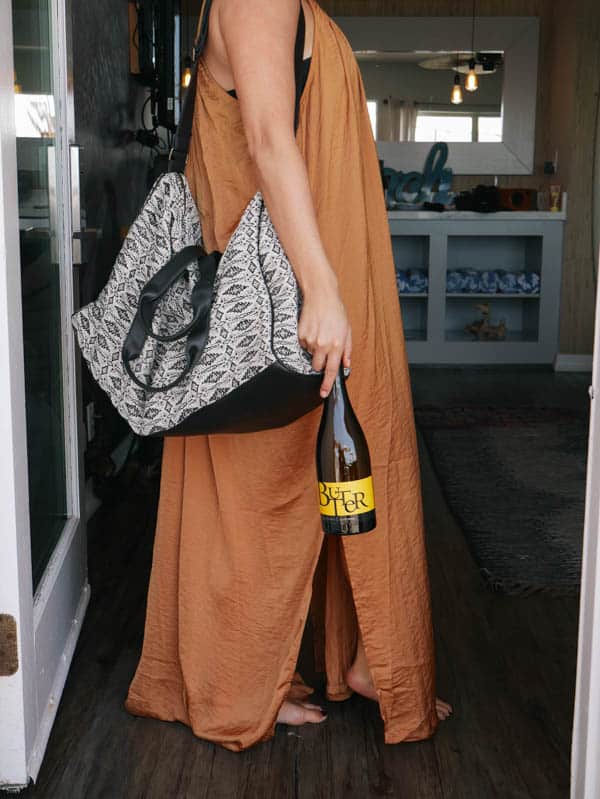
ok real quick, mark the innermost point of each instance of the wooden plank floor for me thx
(507, 665)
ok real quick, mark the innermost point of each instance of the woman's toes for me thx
(308, 713)
(297, 712)
(443, 709)
(311, 706)
(315, 714)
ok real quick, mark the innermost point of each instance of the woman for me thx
(239, 556)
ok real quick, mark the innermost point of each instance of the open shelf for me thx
(414, 316)
(411, 252)
(499, 257)
(411, 259)
(508, 248)
(510, 253)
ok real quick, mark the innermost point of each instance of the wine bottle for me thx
(346, 499)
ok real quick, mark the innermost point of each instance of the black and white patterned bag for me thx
(187, 342)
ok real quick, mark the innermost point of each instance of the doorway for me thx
(44, 586)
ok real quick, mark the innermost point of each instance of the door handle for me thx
(75, 204)
(89, 234)
(52, 203)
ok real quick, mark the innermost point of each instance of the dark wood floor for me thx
(507, 665)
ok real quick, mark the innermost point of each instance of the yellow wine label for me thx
(346, 499)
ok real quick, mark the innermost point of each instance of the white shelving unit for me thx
(515, 241)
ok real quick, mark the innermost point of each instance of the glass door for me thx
(35, 119)
(43, 579)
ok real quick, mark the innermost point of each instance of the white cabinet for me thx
(453, 261)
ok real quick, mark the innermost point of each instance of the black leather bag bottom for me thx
(273, 398)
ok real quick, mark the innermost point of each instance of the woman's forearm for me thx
(283, 181)
(258, 40)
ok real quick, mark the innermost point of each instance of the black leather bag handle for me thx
(158, 285)
(183, 133)
(196, 330)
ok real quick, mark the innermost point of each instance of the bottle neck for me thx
(344, 424)
(339, 407)
(338, 390)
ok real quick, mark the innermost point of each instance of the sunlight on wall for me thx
(34, 115)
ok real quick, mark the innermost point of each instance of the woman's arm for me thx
(257, 42)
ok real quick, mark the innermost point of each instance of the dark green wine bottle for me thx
(346, 499)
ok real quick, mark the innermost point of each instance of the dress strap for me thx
(298, 53)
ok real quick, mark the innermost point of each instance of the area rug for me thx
(514, 478)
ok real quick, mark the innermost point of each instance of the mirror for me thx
(410, 95)
(409, 67)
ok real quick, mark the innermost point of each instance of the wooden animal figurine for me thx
(481, 328)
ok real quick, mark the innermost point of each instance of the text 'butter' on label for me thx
(346, 499)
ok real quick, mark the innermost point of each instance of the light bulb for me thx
(186, 75)
(471, 83)
(456, 96)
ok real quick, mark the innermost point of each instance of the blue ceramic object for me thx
(417, 281)
(454, 281)
(507, 282)
(528, 282)
(471, 280)
(489, 281)
(402, 280)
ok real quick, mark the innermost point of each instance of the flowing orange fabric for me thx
(239, 554)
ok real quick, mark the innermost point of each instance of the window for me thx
(489, 128)
(458, 126)
(443, 127)
(372, 108)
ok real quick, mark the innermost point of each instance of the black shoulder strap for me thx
(183, 134)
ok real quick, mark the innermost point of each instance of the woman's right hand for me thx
(324, 331)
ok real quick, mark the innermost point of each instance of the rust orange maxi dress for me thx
(239, 552)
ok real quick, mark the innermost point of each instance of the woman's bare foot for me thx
(443, 709)
(358, 677)
(296, 711)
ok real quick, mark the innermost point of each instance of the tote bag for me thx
(187, 342)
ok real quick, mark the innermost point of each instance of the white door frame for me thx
(47, 624)
(15, 583)
(585, 757)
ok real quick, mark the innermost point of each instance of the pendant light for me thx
(186, 72)
(456, 96)
(471, 82)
